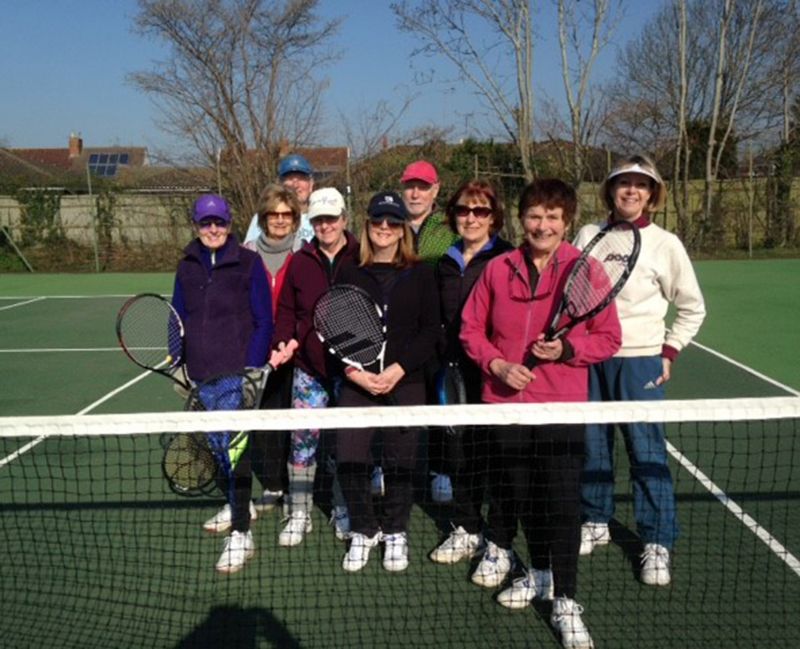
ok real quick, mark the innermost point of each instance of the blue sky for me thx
(65, 64)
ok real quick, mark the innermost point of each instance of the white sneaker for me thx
(441, 488)
(298, 525)
(222, 520)
(268, 501)
(655, 565)
(592, 535)
(566, 620)
(340, 519)
(459, 545)
(377, 483)
(238, 548)
(494, 567)
(395, 552)
(358, 553)
(536, 584)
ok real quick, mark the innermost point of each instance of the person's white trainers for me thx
(377, 483)
(441, 488)
(536, 584)
(297, 526)
(222, 520)
(494, 566)
(459, 545)
(357, 554)
(395, 552)
(340, 519)
(268, 501)
(592, 535)
(655, 565)
(238, 548)
(566, 620)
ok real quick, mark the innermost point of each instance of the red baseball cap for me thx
(420, 170)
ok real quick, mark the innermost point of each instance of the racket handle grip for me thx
(530, 361)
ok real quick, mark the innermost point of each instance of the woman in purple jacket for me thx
(223, 297)
(535, 470)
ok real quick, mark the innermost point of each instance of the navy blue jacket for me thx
(226, 308)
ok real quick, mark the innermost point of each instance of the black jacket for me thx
(411, 310)
(455, 284)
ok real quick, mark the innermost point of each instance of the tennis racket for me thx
(150, 332)
(193, 461)
(596, 278)
(351, 326)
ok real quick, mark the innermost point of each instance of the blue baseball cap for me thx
(294, 163)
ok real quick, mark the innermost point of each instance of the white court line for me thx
(734, 508)
(55, 350)
(747, 369)
(69, 297)
(731, 505)
(27, 301)
(27, 447)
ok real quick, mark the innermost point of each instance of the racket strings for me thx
(188, 464)
(596, 275)
(150, 332)
(349, 322)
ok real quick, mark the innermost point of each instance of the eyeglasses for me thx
(274, 216)
(205, 224)
(462, 212)
(327, 220)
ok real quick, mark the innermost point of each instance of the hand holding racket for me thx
(192, 461)
(598, 275)
(150, 332)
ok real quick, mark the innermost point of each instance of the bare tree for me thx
(578, 55)
(446, 28)
(241, 78)
(699, 80)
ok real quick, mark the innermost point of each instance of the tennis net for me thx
(99, 552)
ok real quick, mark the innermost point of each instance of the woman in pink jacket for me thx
(535, 470)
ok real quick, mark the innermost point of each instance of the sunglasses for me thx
(207, 223)
(462, 212)
(377, 222)
(274, 216)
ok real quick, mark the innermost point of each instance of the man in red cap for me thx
(432, 235)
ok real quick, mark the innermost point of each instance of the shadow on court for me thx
(234, 627)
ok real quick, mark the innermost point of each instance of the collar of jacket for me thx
(227, 254)
(519, 282)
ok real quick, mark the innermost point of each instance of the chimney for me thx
(75, 145)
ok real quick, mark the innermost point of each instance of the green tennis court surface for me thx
(99, 553)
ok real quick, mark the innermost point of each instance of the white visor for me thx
(634, 169)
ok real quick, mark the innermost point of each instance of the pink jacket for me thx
(501, 320)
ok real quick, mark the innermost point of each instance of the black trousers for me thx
(399, 454)
(270, 448)
(237, 490)
(467, 452)
(535, 482)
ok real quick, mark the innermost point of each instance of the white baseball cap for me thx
(325, 202)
